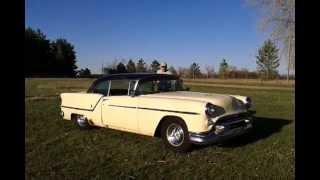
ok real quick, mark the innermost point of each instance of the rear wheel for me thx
(81, 121)
(175, 135)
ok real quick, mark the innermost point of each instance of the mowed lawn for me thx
(56, 149)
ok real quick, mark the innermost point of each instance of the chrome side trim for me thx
(182, 112)
(122, 106)
(153, 109)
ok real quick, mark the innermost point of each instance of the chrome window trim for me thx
(128, 91)
(131, 82)
(136, 85)
(109, 88)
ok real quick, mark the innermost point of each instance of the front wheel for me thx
(175, 135)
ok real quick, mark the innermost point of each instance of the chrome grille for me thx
(232, 118)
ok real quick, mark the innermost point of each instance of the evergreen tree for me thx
(268, 60)
(84, 72)
(121, 68)
(37, 53)
(223, 70)
(131, 66)
(64, 58)
(141, 66)
(155, 65)
(49, 58)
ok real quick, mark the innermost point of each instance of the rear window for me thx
(101, 88)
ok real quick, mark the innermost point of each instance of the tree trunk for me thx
(289, 56)
(193, 74)
(290, 43)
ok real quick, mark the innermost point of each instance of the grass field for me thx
(56, 149)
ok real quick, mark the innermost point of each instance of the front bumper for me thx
(231, 128)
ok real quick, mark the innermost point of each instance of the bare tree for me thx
(232, 70)
(244, 73)
(113, 64)
(209, 71)
(110, 67)
(280, 16)
(183, 72)
(194, 70)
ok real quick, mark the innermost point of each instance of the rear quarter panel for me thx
(86, 104)
(86, 101)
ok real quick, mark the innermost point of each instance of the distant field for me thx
(247, 82)
(56, 149)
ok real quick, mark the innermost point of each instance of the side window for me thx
(102, 88)
(119, 87)
(148, 87)
(165, 85)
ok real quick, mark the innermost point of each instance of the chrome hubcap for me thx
(81, 121)
(175, 135)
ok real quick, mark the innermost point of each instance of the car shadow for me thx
(262, 128)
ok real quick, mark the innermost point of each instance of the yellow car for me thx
(158, 105)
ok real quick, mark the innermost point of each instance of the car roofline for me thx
(136, 76)
(132, 76)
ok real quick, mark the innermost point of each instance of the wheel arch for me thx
(157, 132)
(73, 116)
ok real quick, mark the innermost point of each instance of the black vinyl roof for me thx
(132, 76)
(136, 76)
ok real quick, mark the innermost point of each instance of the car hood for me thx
(228, 102)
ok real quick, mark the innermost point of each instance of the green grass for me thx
(56, 149)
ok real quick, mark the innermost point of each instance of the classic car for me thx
(158, 105)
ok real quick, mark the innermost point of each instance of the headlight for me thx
(213, 110)
(210, 111)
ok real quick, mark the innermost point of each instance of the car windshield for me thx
(159, 85)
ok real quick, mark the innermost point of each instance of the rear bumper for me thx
(61, 114)
(231, 129)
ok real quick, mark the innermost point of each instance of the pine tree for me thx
(121, 68)
(131, 66)
(155, 65)
(141, 66)
(268, 60)
(223, 68)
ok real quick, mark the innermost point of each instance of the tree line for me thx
(267, 62)
(49, 58)
(57, 58)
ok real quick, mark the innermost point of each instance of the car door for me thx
(119, 109)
